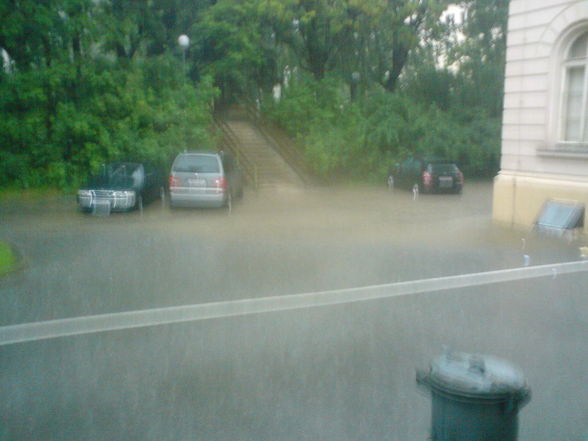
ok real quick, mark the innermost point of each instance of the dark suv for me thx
(431, 175)
(121, 186)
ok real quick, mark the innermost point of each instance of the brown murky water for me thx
(352, 212)
(329, 213)
(332, 373)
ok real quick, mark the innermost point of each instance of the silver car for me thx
(204, 179)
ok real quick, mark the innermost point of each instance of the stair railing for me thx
(280, 143)
(231, 143)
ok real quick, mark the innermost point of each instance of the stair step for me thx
(271, 168)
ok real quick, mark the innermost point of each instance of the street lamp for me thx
(184, 42)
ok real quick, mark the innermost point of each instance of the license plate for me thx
(101, 207)
(197, 182)
(445, 181)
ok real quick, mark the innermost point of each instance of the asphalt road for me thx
(343, 372)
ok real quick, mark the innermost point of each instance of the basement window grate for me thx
(558, 217)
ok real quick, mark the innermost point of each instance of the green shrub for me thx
(146, 111)
(360, 140)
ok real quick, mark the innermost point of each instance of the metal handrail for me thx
(282, 145)
(231, 143)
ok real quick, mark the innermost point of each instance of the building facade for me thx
(545, 121)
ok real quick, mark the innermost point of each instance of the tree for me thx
(314, 30)
(48, 42)
(68, 104)
(233, 44)
(481, 55)
(398, 29)
(149, 28)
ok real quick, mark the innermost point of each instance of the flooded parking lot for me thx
(343, 372)
(359, 210)
(274, 242)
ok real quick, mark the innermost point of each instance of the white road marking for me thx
(28, 332)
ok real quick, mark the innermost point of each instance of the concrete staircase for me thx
(271, 169)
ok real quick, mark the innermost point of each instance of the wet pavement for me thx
(278, 242)
(336, 373)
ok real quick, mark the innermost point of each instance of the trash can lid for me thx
(477, 376)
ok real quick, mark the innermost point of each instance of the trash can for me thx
(474, 397)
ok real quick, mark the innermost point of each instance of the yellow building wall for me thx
(518, 199)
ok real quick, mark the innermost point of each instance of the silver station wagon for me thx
(204, 179)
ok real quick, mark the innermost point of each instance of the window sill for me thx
(565, 151)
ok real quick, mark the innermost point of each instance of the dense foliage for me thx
(83, 85)
(362, 139)
(364, 83)
(445, 102)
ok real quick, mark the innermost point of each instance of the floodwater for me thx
(344, 372)
(274, 242)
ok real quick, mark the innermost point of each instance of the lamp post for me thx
(184, 42)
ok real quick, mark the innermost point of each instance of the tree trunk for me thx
(317, 52)
(399, 58)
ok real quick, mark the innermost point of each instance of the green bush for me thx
(360, 140)
(57, 136)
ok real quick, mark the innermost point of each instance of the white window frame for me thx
(567, 64)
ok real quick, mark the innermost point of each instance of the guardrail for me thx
(231, 143)
(282, 144)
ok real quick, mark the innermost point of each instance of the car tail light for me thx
(427, 178)
(173, 181)
(220, 183)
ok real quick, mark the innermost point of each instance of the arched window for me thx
(574, 124)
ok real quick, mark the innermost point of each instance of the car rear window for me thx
(443, 168)
(119, 174)
(197, 164)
